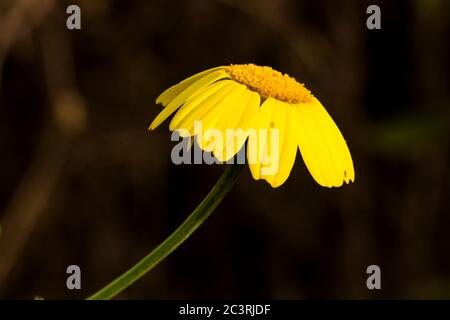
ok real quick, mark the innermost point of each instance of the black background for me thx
(84, 182)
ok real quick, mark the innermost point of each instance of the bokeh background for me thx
(83, 182)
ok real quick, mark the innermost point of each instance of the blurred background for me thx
(83, 182)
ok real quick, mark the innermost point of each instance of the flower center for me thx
(269, 83)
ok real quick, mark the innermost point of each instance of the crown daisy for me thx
(249, 97)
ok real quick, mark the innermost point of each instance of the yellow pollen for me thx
(269, 83)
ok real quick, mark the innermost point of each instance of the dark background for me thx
(83, 181)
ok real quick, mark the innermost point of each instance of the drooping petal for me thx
(248, 117)
(210, 105)
(187, 93)
(280, 151)
(337, 141)
(202, 100)
(287, 143)
(222, 135)
(258, 141)
(234, 125)
(214, 121)
(322, 146)
(168, 95)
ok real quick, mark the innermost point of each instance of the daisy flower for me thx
(258, 101)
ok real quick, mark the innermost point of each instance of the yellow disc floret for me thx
(269, 83)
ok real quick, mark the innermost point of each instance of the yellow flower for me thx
(259, 101)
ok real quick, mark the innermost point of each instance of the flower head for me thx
(271, 111)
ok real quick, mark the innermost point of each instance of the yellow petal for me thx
(337, 141)
(187, 93)
(287, 147)
(234, 124)
(258, 141)
(247, 118)
(214, 122)
(168, 95)
(205, 107)
(322, 146)
(200, 99)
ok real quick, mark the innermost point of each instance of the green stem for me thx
(204, 209)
